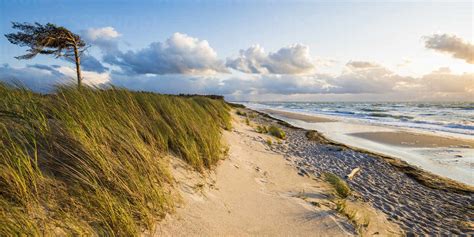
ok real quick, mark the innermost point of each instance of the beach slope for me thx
(257, 191)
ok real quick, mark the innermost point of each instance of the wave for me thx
(385, 115)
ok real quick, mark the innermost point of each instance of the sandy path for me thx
(253, 192)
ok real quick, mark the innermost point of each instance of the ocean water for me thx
(455, 117)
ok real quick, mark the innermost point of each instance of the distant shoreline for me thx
(423, 176)
(442, 155)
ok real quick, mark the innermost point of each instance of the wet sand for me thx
(302, 117)
(408, 139)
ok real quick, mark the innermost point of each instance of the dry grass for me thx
(90, 162)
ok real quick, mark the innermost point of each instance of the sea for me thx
(455, 120)
(448, 117)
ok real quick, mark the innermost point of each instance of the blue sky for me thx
(387, 35)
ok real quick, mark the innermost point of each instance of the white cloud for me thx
(451, 44)
(293, 59)
(88, 77)
(178, 54)
(105, 33)
(105, 38)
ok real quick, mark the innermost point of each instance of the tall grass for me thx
(92, 161)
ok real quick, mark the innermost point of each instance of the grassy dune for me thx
(92, 161)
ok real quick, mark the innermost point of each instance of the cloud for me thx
(90, 63)
(442, 80)
(361, 64)
(43, 78)
(293, 59)
(451, 44)
(105, 38)
(179, 54)
(105, 33)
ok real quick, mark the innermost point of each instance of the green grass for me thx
(276, 132)
(92, 162)
(340, 186)
(261, 129)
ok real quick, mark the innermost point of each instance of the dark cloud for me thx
(90, 63)
(451, 44)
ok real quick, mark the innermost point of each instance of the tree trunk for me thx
(78, 67)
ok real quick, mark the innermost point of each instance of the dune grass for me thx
(92, 162)
(276, 132)
(340, 186)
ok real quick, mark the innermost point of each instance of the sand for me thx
(302, 117)
(420, 202)
(258, 192)
(408, 139)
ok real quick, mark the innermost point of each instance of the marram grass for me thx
(91, 162)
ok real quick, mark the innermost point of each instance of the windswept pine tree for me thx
(48, 39)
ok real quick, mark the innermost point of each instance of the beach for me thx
(259, 191)
(258, 185)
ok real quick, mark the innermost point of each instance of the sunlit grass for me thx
(92, 161)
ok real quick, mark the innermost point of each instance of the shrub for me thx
(276, 132)
(341, 187)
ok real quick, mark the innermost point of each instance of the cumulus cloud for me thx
(178, 54)
(451, 44)
(293, 59)
(105, 38)
(43, 78)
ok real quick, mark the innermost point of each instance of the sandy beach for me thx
(259, 191)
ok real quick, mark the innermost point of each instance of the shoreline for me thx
(444, 156)
(410, 196)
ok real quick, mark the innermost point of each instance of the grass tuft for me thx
(276, 132)
(340, 186)
(91, 162)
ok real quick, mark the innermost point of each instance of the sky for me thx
(257, 50)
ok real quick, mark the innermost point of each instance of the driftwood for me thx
(353, 173)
